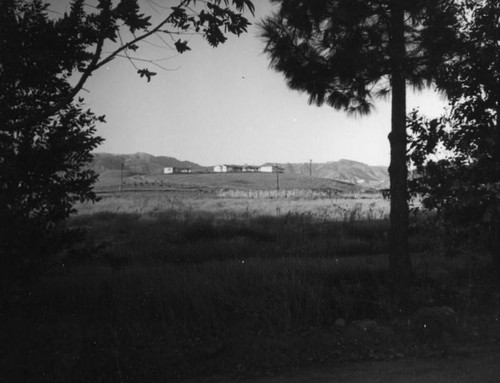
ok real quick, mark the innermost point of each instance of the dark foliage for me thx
(339, 52)
(46, 137)
(42, 165)
(42, 175)
(458, 155)
(344, 53)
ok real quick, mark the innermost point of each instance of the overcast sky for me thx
(225, 105)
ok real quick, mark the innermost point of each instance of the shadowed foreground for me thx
(480, 365)
(177, 290)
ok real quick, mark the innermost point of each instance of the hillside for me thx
(139, 163)
(343, 170)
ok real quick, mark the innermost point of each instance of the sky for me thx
(225, 105)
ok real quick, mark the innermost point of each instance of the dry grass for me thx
(346, 207)
(158, 226)
(172, 285)
(224, 181)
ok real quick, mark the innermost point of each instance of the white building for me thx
(228, 169)
(250, 169)
(175, 170)
(271, 169)
(220, 169)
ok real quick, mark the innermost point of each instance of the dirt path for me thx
(481, 366)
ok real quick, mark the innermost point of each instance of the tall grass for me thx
(167, 286)
(161, 227)
(148, 323)
(339, 209)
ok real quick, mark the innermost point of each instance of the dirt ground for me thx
(481, 365)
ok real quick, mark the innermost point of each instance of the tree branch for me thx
(93, 66)
(137, 39)
(44, 114)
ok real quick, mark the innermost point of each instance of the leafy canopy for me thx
(339, 52)
(72, 46)
(458, 154)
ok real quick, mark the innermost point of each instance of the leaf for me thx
(128, 11)
(146, 73)
(181, 46)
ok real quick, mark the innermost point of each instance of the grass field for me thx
(216, 182)
(186, 282)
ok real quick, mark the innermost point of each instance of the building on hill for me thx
(176, 170)
(228, 169)
(250, 169)
(271, 169)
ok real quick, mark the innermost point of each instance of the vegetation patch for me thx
(157, 294)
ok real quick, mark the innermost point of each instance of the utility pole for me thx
(121, 177)
(310, 168)
(277, 178)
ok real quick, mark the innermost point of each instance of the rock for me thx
(340, 322)
(434, 323)
(441, 277)
(365, 324)
(385, 331)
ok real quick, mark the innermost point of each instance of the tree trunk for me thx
(400, 267)
(494, 235)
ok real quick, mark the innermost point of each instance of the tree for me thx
(76, 41)
(458, 155)
(344, 53)
(46, 137)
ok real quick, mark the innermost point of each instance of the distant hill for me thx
(343, 170)
(347, 171)
(139, 163)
